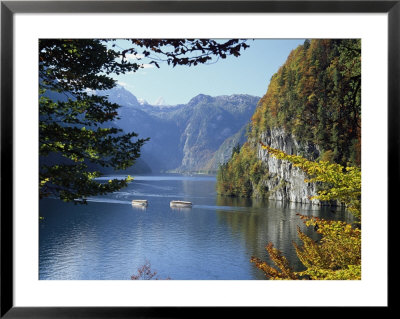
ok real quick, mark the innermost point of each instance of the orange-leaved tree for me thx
(337, 255)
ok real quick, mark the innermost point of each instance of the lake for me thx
(109, 239)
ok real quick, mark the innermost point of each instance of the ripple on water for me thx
(111, 239)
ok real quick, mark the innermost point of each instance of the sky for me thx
(249, 73)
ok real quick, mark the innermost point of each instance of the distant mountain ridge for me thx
(185, 137)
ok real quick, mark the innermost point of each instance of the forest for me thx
(316, 97)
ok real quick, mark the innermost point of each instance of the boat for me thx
(180, 203)
(139, 202)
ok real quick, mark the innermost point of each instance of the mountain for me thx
(224, 152)
(207, 123)
(184, 137)
(160, 102)
(312, 108)
(119, 94)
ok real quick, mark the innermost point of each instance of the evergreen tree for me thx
(236, 149)
(76, 135)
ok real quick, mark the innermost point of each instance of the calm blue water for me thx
(215, 239)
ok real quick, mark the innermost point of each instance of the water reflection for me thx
(109, 238)
(181, 209)
(199, 190)
(272, 221)
(136, 207)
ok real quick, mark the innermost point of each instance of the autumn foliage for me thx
(316, 96)
(337, 255)
(243, 174)
(284, 271)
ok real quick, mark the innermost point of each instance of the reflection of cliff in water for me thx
(272, 221)
(200, 189)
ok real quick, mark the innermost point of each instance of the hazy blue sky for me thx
(248, 74)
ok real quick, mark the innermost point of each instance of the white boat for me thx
(180, 203)
(139, 202)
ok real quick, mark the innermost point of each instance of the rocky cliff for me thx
(312, 108)
(224, 152)
(210, 122)
(286, 182)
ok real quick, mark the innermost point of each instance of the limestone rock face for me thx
(286, 182)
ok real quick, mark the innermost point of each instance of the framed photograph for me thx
(209, 145)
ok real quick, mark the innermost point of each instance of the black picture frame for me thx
(9, 8)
